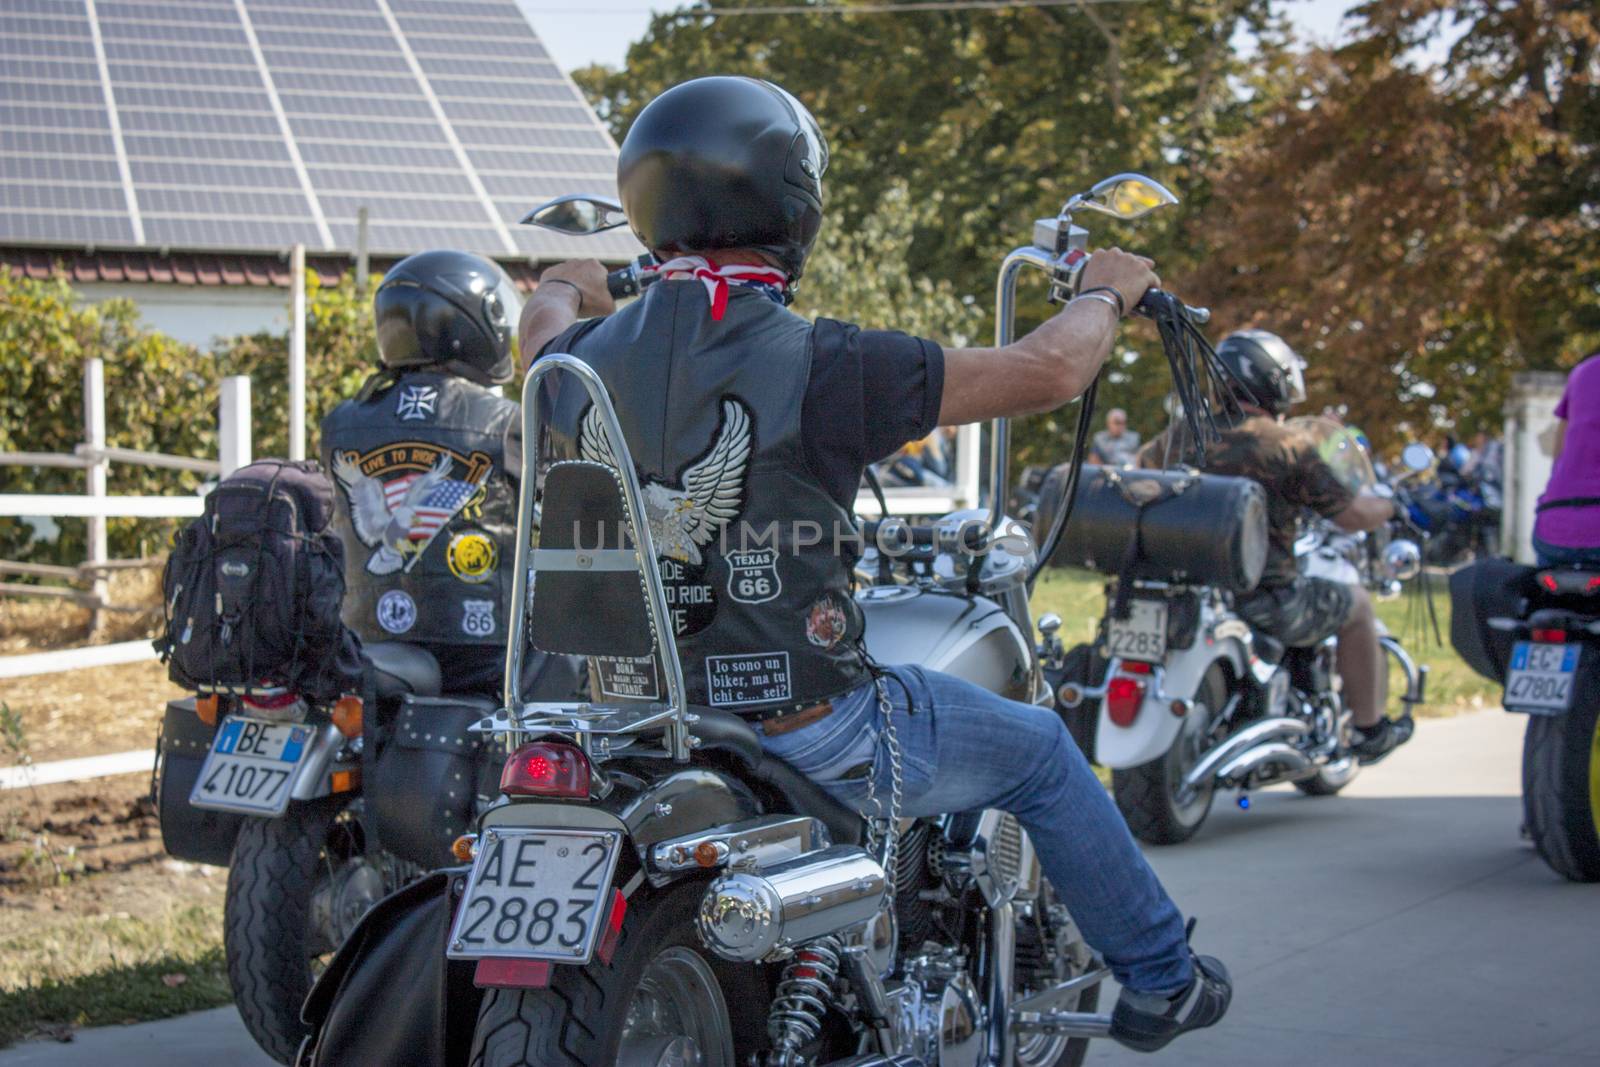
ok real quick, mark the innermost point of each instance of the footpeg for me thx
(1067, 1023)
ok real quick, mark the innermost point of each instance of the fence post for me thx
(297, 355)
(233, 424)
(94, 435)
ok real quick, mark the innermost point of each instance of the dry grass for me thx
(36, 624)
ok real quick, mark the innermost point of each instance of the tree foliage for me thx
(161, 396)
(1421, 232)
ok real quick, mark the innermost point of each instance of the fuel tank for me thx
(969, 637)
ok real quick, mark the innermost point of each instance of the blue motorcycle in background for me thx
(1458, 508)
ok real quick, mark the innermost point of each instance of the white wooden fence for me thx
(94, 456)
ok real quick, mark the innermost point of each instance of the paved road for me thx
(1399, 924)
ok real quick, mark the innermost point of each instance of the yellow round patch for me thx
(473, 556)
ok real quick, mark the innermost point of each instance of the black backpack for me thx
(254, 586)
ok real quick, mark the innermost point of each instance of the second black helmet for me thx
(1265, 370)
(448, 309)
(725, 163)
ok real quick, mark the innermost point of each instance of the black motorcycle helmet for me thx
(1266, 372)
(453, 310)
(725, 163)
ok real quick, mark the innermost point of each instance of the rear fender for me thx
(646, 810)
(1155, 728)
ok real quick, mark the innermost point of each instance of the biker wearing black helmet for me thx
(427, 508)
(1267, 380)
(722, 179)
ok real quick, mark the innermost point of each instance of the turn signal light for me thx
(546, 769)
(1550, 637)
(1548, 580)
(206, 708)
(347, 716)
(464, 848)
(1123, 697)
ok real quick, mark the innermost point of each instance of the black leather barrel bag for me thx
(1172, 526)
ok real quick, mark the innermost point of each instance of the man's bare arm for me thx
(1365, 512)
(566, 292)
(1054, 363)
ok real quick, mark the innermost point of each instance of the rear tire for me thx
(1146, 795)
(583, 1017)
(276, 928)
(1561, 789)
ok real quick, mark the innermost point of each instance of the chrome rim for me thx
(1187, 748)
(677, 1017)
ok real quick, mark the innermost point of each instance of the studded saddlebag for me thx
(422, 775)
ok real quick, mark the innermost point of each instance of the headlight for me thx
(1402, 560)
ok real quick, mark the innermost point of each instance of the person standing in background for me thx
(1116, 445)
(1567, 529)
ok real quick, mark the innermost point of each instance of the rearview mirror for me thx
(1124, 196)
(578, 215)
(1417, 456)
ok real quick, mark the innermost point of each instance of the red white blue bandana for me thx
(765, 280)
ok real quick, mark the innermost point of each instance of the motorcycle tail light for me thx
(1123, 697)
(1550, 637)
(1548, 580)
(1593, 586)
(546, 769)
(1135, 667)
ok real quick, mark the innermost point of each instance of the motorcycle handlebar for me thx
(902, 538)
(632, 279)
(1153, 298)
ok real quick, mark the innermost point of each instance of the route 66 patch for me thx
(477, 618)
(753, 576)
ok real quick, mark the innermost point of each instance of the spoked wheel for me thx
(297, 885)
(1148, 795)
(662, 1001)
(1051, 950)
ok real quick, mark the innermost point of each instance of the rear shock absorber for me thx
(803, 997)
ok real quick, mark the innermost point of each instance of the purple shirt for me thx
(1577, 470)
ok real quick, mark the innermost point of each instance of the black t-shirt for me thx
(866, 399)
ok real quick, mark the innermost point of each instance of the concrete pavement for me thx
(1401, 923)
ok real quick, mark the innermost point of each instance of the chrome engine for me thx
(937, 1013)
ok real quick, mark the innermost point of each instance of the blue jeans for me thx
(963, 749)
(1550, 555)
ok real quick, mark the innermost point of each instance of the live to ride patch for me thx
(753, 679)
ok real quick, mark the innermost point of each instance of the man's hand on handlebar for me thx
(1126, 274)
(588, 277)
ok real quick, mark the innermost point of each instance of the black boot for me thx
(1372, 743)
(1146, 1022)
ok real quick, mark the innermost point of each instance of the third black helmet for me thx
(448, 309)
(725, 163)
(1266, 371)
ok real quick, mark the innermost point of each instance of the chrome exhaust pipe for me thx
(747, 915)
(877, 1061)
(1255, 734)
(1241, 770)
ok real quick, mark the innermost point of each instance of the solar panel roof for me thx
(251, 125)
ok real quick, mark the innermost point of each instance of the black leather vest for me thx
(754, 555)
(426, 509)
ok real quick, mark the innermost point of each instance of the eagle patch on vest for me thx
(685, 520)
(401, 495)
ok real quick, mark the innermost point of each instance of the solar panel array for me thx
(249, 125)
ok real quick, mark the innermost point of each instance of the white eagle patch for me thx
(400, 517)
(682, 521)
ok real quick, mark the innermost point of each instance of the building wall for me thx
(199, 314)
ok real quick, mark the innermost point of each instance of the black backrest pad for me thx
(578, 606)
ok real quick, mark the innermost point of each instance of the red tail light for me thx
(1123, 697)
(1548, 580)
(1550, 637)
(546, 769)
(1594, 585)
(1133, 666)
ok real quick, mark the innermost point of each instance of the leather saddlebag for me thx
(421, 775)
(1480, 591)
(1170, 526)
(189, 833)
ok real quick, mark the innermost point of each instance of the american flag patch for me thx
(433, 510)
